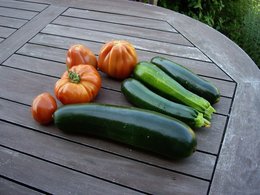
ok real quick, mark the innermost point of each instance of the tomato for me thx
(117, 59)
(43, 107)
(79, 84)
(79, 54)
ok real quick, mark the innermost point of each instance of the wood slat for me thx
(10, 187)
(223, 106)
(12, 22)
(209, 139)
(140, 32)
(26, 32)
(143, 44)
(52, 178)
(199, 164)
(23, 5)
(43, 52)
(120, 19)
(16, 13)
(199, 67)
(98, 163)
(6, 32)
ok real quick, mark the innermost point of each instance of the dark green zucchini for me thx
(147, 130)
(142, 97)
(162, 84)
(188, 79)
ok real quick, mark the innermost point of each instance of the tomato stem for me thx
(74, 77)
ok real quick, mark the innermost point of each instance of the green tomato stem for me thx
(74, 77)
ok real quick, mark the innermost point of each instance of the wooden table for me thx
(35, 159)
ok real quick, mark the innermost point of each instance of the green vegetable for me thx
(162, 84)
(147, 130)
(188, 79)
(142, 97)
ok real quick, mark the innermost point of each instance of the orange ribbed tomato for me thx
(79, 84)
(79, 54)
(43, 107)
(117, 59)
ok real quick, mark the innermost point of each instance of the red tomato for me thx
(43, 107)
(80, 84)
(117, 59)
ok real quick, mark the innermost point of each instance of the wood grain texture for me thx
(199, 67)
(130, 20)
(23, 5)
(8, 187)
(49, 176)
(6, 32)
(15, 13)
(26, 32)
(98, 163)
(12, 22)
(238, 170)
(142, 44)
(134, 31)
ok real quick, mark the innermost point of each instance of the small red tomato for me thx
(43, 107)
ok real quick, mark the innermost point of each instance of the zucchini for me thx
(188, 79)
(162, 84)
(142, 97)
(136, 127)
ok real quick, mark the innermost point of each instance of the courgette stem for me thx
(160, 82)
(74, 77)
(140, 96)
(188, 79)
(201, 121)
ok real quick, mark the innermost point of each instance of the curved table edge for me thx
(237, 169)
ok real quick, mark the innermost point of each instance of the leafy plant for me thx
(237, 19)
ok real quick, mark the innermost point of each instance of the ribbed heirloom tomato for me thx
(79, 54)
(79, 84)
(43, 107)
(117, 59)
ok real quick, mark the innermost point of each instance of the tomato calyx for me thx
(74, 77)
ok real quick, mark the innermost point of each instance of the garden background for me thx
(239, 20)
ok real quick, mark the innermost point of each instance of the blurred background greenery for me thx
(237, 19)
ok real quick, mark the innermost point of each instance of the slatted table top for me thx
(34, 38)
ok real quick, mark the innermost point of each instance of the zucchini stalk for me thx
(142, 97)
(188, 79)
(162, 84)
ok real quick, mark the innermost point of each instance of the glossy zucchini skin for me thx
(161, 83)
(142, 97)
(147, 130)
(188, 79)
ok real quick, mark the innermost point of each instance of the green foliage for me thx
(250, 31)
(237, 19)
(206, 11)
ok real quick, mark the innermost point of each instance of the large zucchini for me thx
(157, 80)
(140, 128)
(142, 97)
(188, 79)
